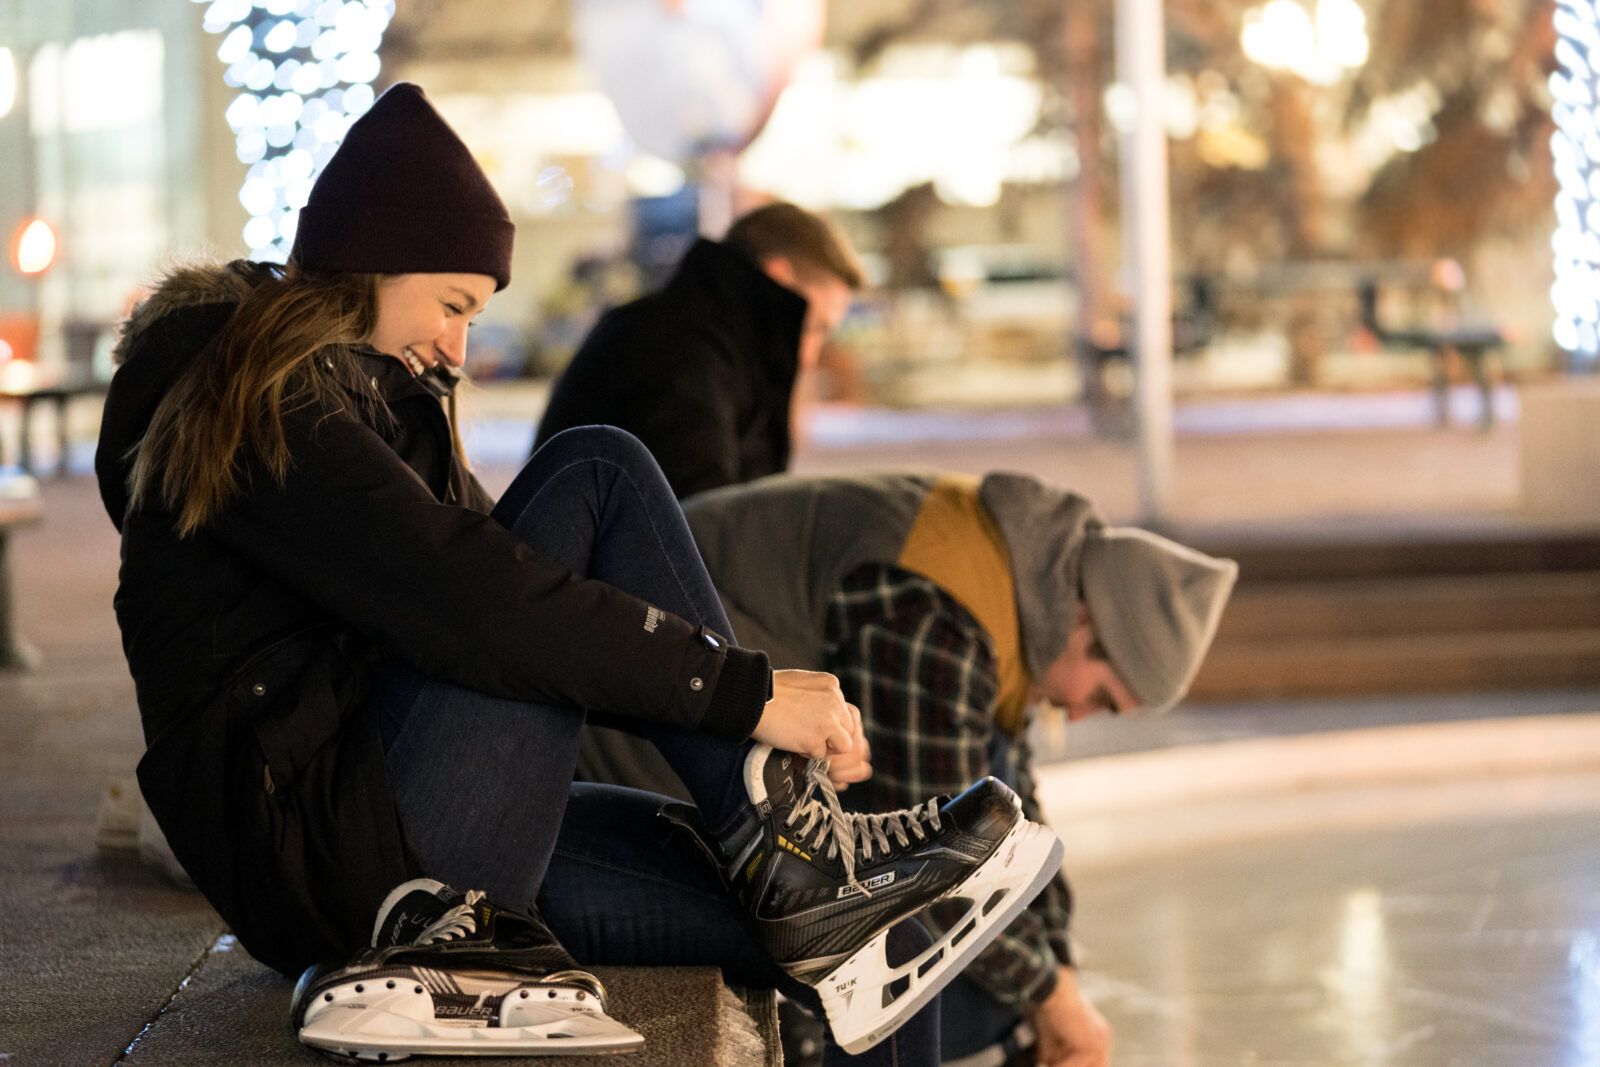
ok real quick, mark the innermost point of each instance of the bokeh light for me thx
(1320, 47)
(304, 69)
(34, 248)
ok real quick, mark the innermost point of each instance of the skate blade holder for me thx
(866, 998)
(389, 1020)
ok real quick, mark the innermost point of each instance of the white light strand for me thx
(1575, 154)
(304, 69)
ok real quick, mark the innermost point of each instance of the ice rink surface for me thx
(1442, 939)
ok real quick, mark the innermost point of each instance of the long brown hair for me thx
(233, 396)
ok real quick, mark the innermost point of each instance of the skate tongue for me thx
(786, 773)
(460, 921)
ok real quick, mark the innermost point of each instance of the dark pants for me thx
(484, 785)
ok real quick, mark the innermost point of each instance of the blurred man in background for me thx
(703, 371)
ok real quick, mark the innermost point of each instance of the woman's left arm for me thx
(354, 530)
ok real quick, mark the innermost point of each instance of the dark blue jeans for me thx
(484, 785)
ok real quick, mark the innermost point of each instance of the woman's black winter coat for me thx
(255, 642)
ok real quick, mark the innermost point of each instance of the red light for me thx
(33, 249)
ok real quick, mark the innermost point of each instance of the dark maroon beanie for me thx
(403, 195)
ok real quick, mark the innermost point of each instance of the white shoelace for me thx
(826, 821)
(457, 923)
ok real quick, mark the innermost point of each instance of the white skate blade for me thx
(867, 999)
(389, 1021)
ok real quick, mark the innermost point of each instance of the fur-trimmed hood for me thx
(183, 286)
(187, 308)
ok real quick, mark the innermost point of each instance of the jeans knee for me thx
(598, 442)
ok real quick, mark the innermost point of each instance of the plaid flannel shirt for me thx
(923, 673)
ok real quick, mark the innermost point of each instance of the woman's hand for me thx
(808, 715)
(854, 765)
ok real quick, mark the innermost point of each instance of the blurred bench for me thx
(1473, 342)
(20, 504)
(29, 384)
(1194, 325)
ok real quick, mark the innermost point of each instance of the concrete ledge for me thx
(1117, 809)
(232, 1009)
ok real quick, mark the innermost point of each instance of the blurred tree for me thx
(1485, 168)
(1437, 142)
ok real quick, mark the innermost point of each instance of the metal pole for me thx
(1082, 85)
(1141, 65)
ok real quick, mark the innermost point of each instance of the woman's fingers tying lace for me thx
(807, 714)
(855, 764)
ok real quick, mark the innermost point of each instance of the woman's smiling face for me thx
(422, 318)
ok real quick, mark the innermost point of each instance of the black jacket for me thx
(702, 372)
(255, 642)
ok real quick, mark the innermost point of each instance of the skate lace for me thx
(457, 923)
(824, 821)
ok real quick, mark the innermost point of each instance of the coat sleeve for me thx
(446, 588)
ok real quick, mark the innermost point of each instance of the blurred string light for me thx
(1575, 152)
(304, 69)
(1283, 35)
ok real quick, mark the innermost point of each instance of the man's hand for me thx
(1072, 1032)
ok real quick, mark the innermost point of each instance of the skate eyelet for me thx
(552, 994)
(416, 989)
(390, 983)
(327, 996)
(524, 994)
(360, 988)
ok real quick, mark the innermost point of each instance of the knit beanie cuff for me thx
(380, 240)
(1156, 605)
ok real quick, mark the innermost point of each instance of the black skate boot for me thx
(823, 886)
(452, 973)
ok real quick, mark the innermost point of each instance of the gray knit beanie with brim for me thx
(1155, 605)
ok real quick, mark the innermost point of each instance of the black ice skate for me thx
(823, 886)
(451, 973)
